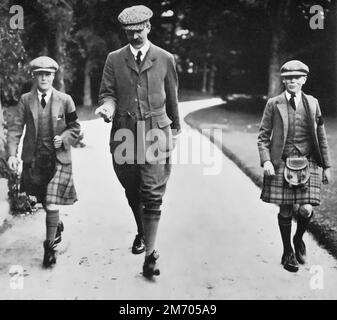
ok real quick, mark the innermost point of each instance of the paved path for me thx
(217, 240)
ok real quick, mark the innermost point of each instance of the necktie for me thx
(43, 102)
(292, 101)
(139, 54)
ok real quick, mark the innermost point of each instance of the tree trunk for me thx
(2, 132)
(275, 84)
(87, 100)
(212, 79)
(60, 58)
(204, 78)
(334, 108)
(279, 14)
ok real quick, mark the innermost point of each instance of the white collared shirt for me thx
(144, 49)
(297, 97)
(47, 97)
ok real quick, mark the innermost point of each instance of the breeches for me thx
(143, 183)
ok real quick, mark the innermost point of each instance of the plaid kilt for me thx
(61, 188)
(276, 189)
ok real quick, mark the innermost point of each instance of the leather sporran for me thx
(296, 172)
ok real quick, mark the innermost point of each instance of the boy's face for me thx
(137, 38)
(294, 84)
(44, 80)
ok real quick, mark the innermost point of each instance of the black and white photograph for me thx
(168, 150)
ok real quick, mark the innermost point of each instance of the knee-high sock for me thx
(138, 213)
(150, 219)
(302, 225)
(285, 229)
(52, 219)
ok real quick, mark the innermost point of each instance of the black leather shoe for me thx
(60, 229)
(49, 257)
(289, 262)
(300, 250)
(138, 245)
(149, 267)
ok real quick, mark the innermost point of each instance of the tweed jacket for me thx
(123, 87)
(274, 129)
(64, 123)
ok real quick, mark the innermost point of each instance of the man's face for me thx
(137, 38)
(44, 80)
(294, 84)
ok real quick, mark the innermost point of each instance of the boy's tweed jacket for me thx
(274, 129)
(64, 123)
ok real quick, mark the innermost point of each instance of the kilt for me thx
(54, 187)
(276, 189)
(61, 188)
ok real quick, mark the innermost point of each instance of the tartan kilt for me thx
(276, 189)
(50, 187)
(61, 188)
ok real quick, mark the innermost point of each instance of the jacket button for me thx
(136, 100)
(133, 114)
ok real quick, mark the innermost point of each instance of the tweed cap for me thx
(135, 18)
(294, 68)
(44, 63)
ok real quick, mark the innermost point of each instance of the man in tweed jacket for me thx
(291, 126)
(139, 91)
(51, 128)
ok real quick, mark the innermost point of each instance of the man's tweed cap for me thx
(44, 63)
(135, 18)
(294, 68)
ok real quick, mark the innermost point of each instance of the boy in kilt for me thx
(51, 128)
(292, 126)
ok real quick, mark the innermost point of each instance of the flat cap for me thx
(135, 18)
(294, 68)
(44, 63)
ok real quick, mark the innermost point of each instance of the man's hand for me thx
(57, 142)
(268, 169)
(326, 176)
(13, 163)
(105, 112)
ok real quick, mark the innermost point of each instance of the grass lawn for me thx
(239, 119)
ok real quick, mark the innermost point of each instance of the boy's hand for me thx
(58, 142)
(268, 169)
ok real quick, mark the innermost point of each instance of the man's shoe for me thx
(60, 229)
(300, 250)
(289, 262)
(138, 245)
(149, 267)
(49, 257)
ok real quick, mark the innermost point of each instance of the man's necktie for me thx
(43, 102)
(292, 102)
(139, 54)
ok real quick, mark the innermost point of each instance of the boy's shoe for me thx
(289, 262)
(49, 257)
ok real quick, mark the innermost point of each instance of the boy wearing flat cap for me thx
(293, 145)
(139, 92)
(51, 128)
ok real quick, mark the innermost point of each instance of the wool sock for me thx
(151, 219)
(52, 219)
(285, 229)
(302, 225)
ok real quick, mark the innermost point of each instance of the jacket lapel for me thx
(130, 60)
(149, 59)
(34, 108)
(282, 106)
